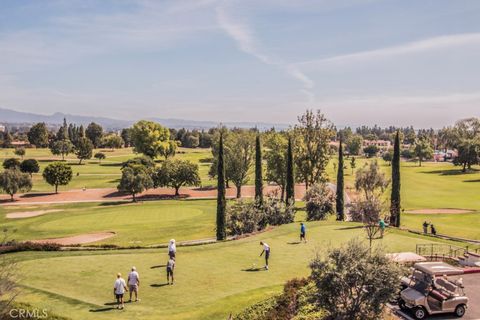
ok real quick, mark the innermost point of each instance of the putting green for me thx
(211, 280)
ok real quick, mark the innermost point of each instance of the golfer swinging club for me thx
(266, 249)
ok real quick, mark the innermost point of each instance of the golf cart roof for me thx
(438, 268)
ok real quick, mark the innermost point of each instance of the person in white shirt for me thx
(170, 269)
(133, 283)
(172, 249)
(119, 288)
(266, 249)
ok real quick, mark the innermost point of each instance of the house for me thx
(381, 144)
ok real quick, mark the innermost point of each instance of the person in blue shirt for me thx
(303, 231)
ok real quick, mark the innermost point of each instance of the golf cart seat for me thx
(446, 287)
(437, 295)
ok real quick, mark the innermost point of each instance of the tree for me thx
(340, 197)
(221, 202)
(370, 180)
(352, 283)
(12, 181)
(84, 149)
(371, 150)
(353, 164)
(312, 136)
(465, 137)
(62, 147)
(100, 156)
(125, 134)
(38, 135)
(290, 185)
(11, 163)
(112, 141)
(395, 205)
(276, 160)
(20, 151)
(388, 156)
(177, 173)
(319, 202)
(135, 179)
(143, 160)
(29, 166)
(94, 132)
(57, 174)
(422, 150)
(258, 172)
(354, 144)
(152, 139)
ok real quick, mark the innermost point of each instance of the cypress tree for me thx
(258, 172)
(395, 197)
(221, 203)
(290, 185)
(340, 185)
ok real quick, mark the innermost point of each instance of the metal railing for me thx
(443, 251)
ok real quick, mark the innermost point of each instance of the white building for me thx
(2, 128)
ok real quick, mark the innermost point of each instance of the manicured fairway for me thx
(140, 224)
(210, 284)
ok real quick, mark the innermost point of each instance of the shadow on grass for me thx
(350, 228)
(159, 266)
(294, 242)
(473, 180)
(158, 285)
(36, 194)
(451, 172)
(254, 269)
(114, 203)
(102, 309)
(115, 164)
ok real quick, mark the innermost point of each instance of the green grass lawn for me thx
(139, 224)
(211, 281)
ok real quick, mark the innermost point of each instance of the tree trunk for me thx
(239, 191)
(80, 162)
(11, 197)
(282, 194)
(56, 188)
(464, 167)
(134, 198)
(176, 191)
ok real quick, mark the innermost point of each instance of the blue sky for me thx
(405, 62)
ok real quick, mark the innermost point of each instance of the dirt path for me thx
(79, 239)
(111, 194)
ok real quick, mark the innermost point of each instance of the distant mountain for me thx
(8, 116)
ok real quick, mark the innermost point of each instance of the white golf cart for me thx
(433, 289)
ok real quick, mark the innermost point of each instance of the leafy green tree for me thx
(371, 151)
(100, 156)
(340, 197)
(30, 166)
(258, 171)
(290, 184)
(11, 163)
(465, 137)
(370, 180)
(152, 139)
(353, 283)
(38, 135)
(312, 136)
(20, 151)
(387, 156)
(319, 202)
(94, 132)
(62, 133)
(276, 160)
(135, 179)
(13, 181)
(62, 147)
(221, 202)
(353, 164)
(395, 204)
(126, 137)
(84, 149)
(354, 144)
(177, 173)
(57, 174)
(468, 154)
(145, 161)
(7, 139)
(422, 150)
(112, 141)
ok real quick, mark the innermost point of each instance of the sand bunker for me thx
(435, 211)
(29, 214)
(80, 239)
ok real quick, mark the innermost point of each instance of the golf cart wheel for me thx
(460, 310)
(419, 313)
(401, 304)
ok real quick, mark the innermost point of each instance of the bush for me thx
(320, 202)
(244, 217)
(366, 210)
(13, 246)
(371, 151)
(11, 163)
(407, 154)
(29, 166)
(143, 160)
(277, 212)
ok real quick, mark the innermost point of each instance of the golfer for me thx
(433, 230)
(425, 227)
(133, 283)
(266, 249)
(170, 269)
(119, 288)
(303, 231)
(172, 249)
(381, 224)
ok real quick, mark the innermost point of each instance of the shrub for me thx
(244, 217)
(277, 212)
(11, 163)
(407, 153)
(29, 166)
(371, 151)
(13, 246)
(143, 160)
(320, 202)
(366, 210)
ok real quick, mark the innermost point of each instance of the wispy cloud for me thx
(246, 41)
(434, 43)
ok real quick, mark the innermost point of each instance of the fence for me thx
(438, 251)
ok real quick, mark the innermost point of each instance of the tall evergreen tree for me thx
(340, 185)
(258, 172)
(290, 185)
(395, 197)
(221, 202)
